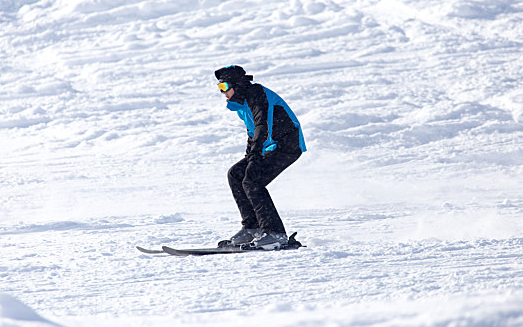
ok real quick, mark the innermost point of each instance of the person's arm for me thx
(257, 101)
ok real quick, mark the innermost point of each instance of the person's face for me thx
(229, 93)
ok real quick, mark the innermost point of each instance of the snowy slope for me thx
(113, 134)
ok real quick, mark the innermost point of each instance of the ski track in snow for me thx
(114, 135)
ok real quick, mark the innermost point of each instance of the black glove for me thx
(254, 157)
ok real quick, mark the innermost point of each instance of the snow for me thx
(113, 134)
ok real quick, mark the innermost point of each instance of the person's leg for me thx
(258, 175)
(235, 175)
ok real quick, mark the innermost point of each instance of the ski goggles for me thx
(224, 86)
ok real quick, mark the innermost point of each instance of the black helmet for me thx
(232, 74)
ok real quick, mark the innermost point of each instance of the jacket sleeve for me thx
(249, 145)
(257, 101)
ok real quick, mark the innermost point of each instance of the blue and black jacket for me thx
(271, 124)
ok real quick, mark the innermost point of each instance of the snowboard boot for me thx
(271, 241)
(245, 236)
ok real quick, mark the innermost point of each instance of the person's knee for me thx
(235, 174)
(247, 184)
(230, 174)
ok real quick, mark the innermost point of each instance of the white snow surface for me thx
(113, 134)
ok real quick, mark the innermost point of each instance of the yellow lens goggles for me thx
(224, 86)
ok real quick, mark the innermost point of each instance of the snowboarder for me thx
(275, 141)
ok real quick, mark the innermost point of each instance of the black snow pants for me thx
(248, 181)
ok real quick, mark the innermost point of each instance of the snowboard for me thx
(224, 247)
